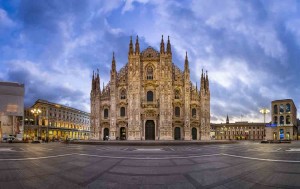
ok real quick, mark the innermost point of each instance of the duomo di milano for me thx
(150, 98)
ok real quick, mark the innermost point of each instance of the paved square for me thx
(242, 165)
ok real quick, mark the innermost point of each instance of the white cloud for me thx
(5, 21)
(129, 5)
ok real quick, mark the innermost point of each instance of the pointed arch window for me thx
(177, 111)
(194, 112)
(122, 112)
(123, 94)
(149, 96)
(149, 73)
(105, 113)
(177, 94)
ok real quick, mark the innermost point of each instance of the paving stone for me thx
(145, 163)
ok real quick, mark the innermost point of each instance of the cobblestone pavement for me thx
(242, 165)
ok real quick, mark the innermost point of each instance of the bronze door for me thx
(150, 130)
(122, 133)
(106, 134)
(177, 133)
(194, 133)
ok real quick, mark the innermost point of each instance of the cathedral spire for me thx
(186, 62)
(130, 46)
(169, 51)
(93, 81)
(97, 81)
(137, 45)
(202, 81)
(207, 82)
(227, 119)
(162, 45)
(113, 63)
(103, 87)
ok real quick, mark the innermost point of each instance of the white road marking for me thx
(35, 158)
(262, 159)
(293, 150)
(148, 149)
(6, 150)
(150, 158)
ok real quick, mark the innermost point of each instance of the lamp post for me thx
(36, 112)
(264, 111)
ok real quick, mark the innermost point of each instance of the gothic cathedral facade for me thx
(150, 98)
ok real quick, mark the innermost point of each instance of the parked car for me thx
(10, 139)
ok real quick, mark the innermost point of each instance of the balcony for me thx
(150, 104)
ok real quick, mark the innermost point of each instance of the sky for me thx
(251, 49)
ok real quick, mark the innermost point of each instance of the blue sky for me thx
(251, 49)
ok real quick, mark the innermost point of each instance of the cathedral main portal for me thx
(150, 130)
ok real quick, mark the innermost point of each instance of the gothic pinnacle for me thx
(137, 45)
(113, 63)
(130, 46)
(207, 81)
(162, 45)
(169, 51)
(186, 62)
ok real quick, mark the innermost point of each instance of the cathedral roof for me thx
(150, 53)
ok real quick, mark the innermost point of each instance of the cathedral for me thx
(150, 98)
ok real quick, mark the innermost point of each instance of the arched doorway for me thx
(194, 133)
(150, 130)
(122, 133)
(177, 133)
(105, 134)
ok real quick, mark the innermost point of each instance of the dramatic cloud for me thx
(250, 48)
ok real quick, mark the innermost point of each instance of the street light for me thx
(264, 111)
(36, 112)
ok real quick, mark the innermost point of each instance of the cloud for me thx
(5, 21)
